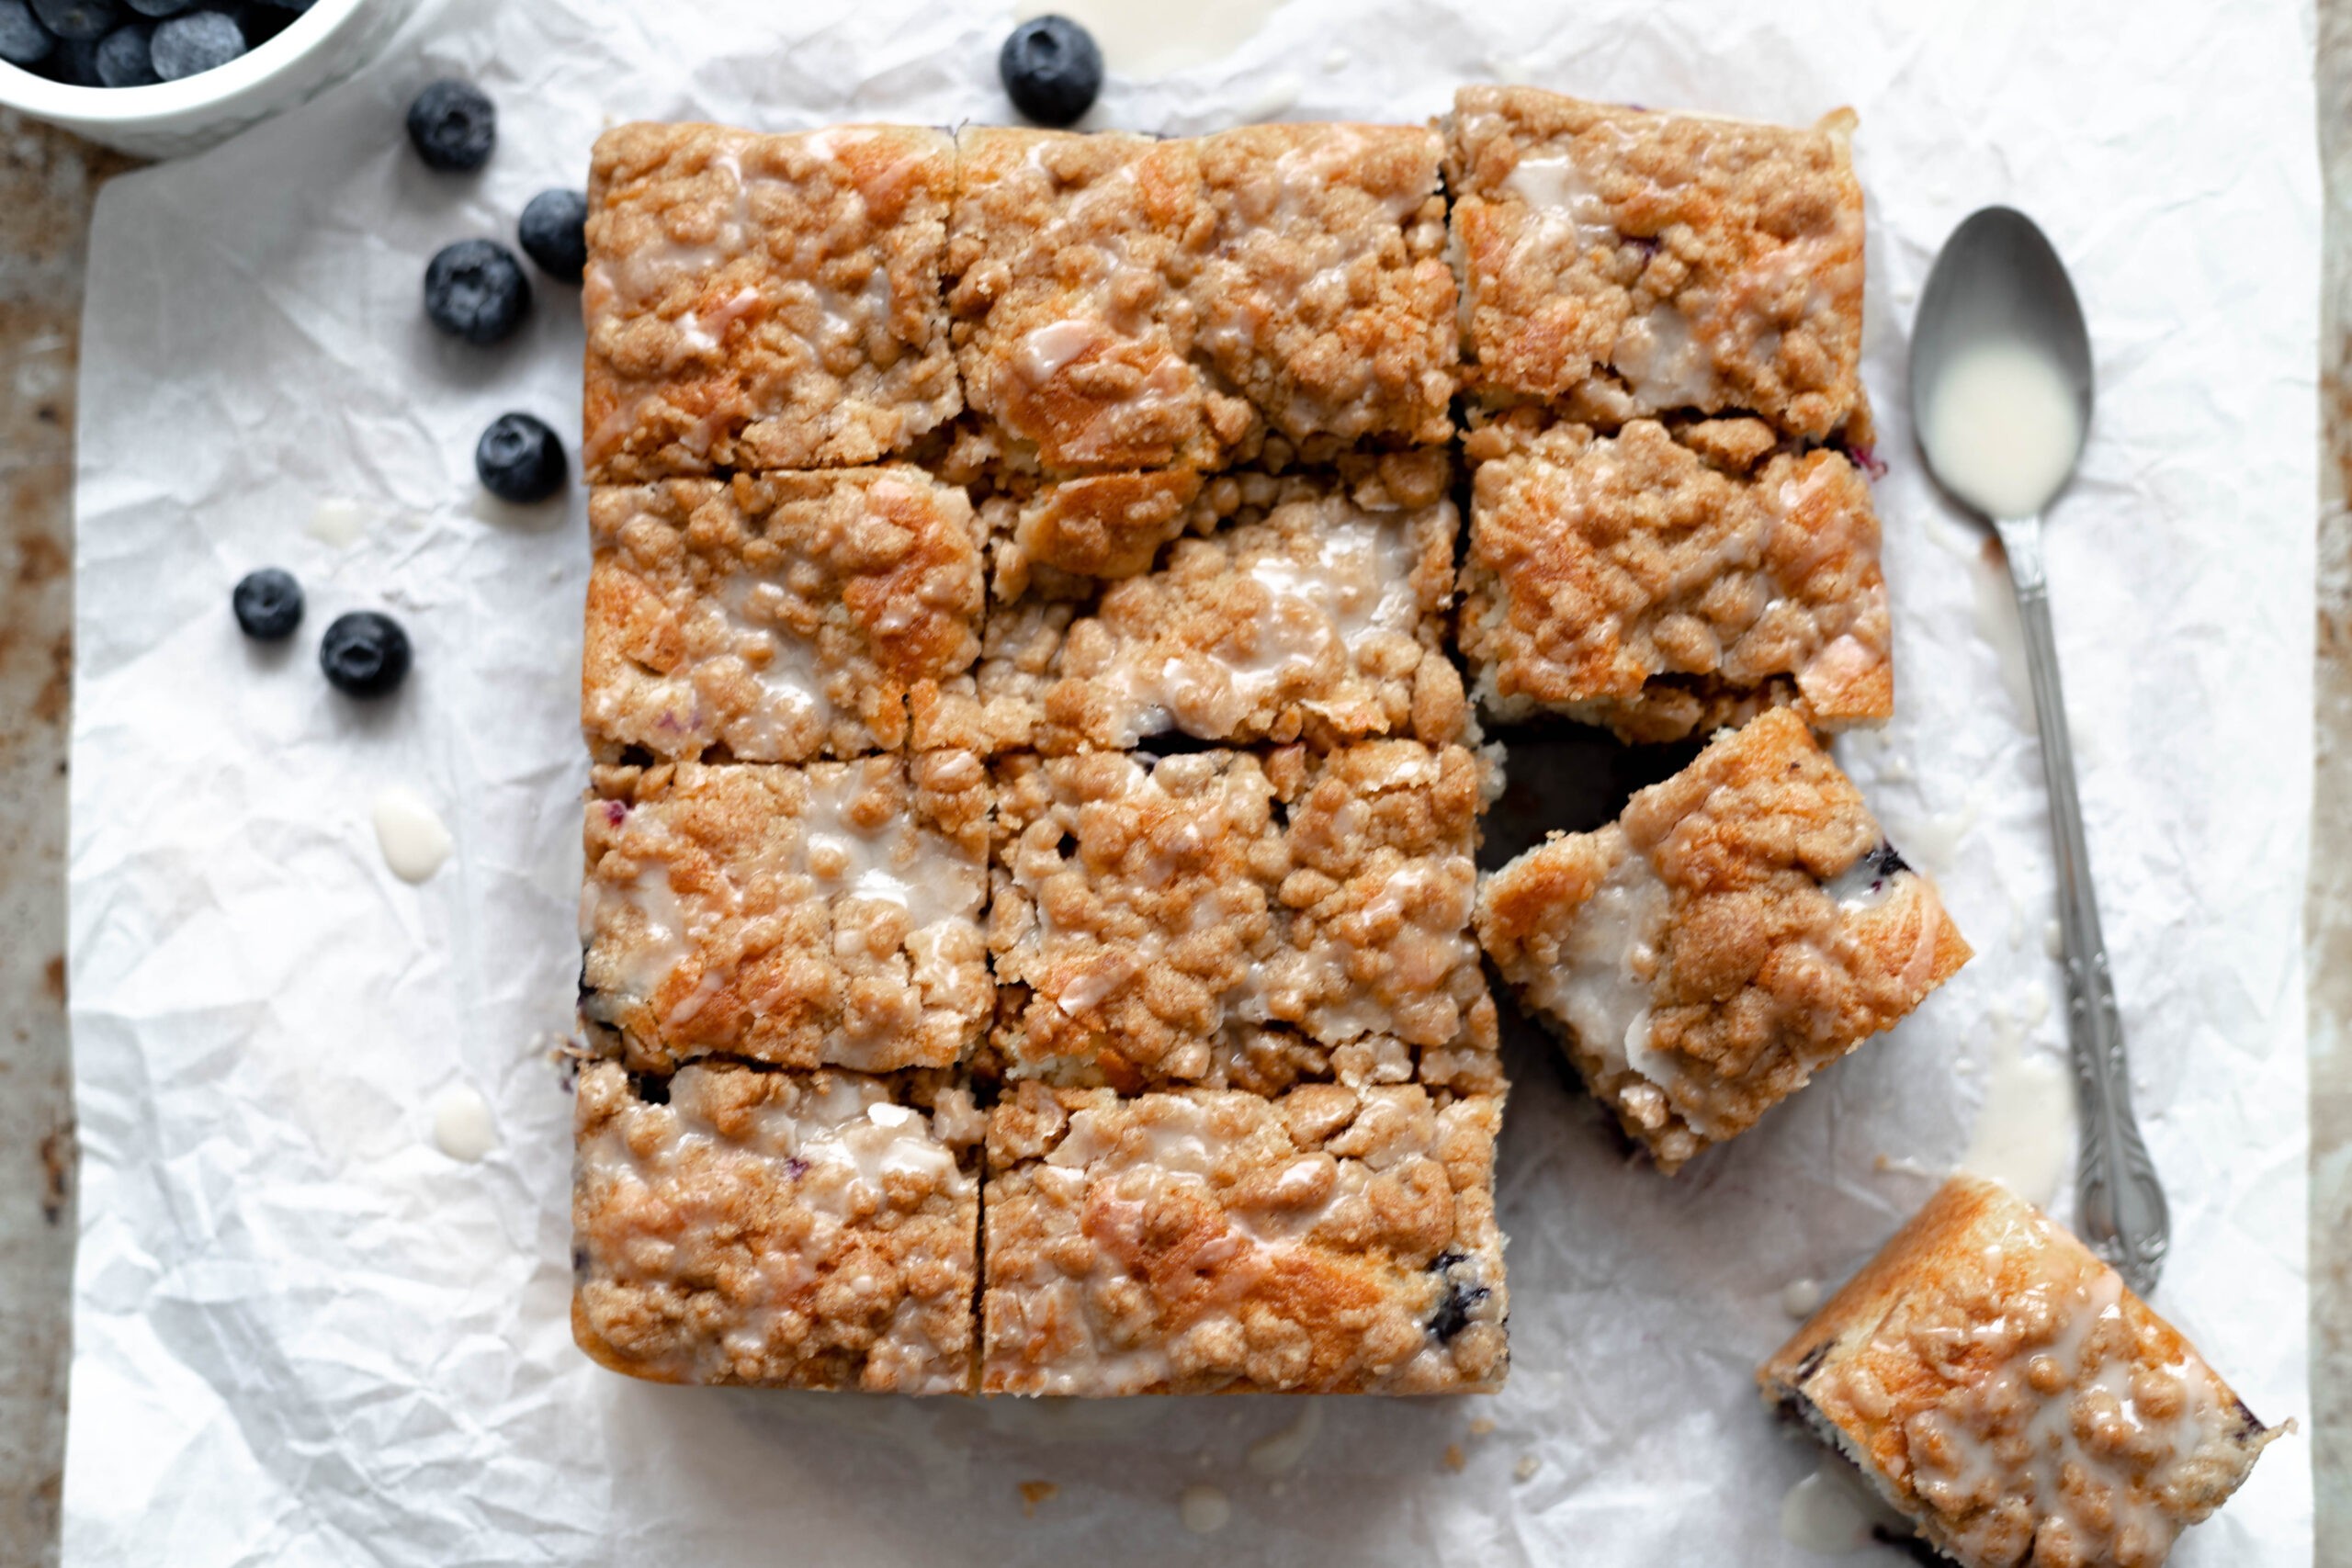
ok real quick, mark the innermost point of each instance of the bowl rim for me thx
(44, 99)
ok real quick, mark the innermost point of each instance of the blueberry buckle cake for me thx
(2007, 1393)
(1741, 926)
(1032, 931)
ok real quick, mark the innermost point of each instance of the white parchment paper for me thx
(306, 1335)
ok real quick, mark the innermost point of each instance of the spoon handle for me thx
(2120, 1203)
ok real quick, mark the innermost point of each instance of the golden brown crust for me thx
(1149, 910)
(1313, 617)
(1665, 582)
(763, 302)
(1329, 1241)
(1121, 303)
(2006, 1390)
(775, 617)
(1741, 926)
(1620, 263)
(787, 1230)
(826, 915)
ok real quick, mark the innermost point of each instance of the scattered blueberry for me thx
(268, 603)
(555, 233)
(475, 289)
(364, 653)
(160, 7)
(87, 20)
(123, 60)
(187, 46)
(23, 40)
(1052, 70)
(520, 459)
(453, 125)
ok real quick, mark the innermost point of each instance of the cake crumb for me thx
(1454, 1458)
(1481, 1426)
(1034, 1492)
(1527, 1466)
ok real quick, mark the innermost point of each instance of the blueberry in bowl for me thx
(453, 126)
(189, 45)
(520, 458)
(364, 654)
(1052, 70)
(268, 604)
(475, 289)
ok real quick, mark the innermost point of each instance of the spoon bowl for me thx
(2001, 366)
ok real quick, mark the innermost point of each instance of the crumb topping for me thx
(795, 1230)
(1741, 926)
(1664, 582)
(780, 617)
(762, 302)
(1331, 1240)
(824, 915)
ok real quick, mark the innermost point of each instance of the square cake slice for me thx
(776, 617)
(1741, 926)
(1665, 582)
(1309, 615)
(1328, 1241)
(761, 302)
(2005, 1391)
(818, 916)
(793, 1230)
(1326, 301)
(1620, 263)
(1122, 303)
(1069, 255)
(1154, 919)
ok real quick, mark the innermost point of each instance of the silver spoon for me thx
(2001, 396)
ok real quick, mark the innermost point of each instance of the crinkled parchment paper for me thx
(306, 1335)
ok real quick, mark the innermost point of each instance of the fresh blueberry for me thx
(1052, 70)
(187, 46)
(364, 653)
(83, 21)
(453, 124)
(1453, 1308)
(123, 60)
(475, 289)
(160, 7)
(23, 40)
(520, 459)
(73, 61)
(268, 603)
(555, 233)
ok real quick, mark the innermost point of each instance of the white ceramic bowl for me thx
(317, 48)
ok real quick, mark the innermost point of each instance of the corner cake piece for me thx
(2002, 1389)
(1741, 926)
(1214, 917)
(1619, 263)
(1314, 618)
(1122, 303)
(1664, 582)
(776, 617)
(795, 1230)
(827, 915)
(1328, 1241)
(764, 301)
